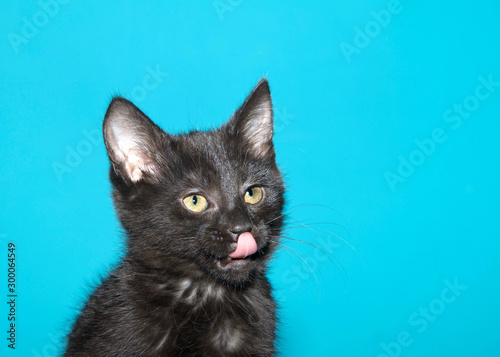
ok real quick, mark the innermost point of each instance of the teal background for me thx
(375, 281)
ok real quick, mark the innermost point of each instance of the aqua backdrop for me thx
(387, 123)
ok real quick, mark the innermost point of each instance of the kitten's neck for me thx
(141, 276)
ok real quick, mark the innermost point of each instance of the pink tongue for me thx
(246, 246)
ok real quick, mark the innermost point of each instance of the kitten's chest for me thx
(207, 319)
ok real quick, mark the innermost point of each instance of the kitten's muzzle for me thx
(245, 247)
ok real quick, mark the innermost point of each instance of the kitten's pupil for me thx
(250, 192)
(195, 200)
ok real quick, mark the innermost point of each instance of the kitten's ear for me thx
(252, 123)
(132, 141)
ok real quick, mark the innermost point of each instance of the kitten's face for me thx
(211, 200)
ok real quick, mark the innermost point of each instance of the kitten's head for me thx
(205, 202)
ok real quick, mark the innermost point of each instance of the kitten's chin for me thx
(234, 270)
(229, 263)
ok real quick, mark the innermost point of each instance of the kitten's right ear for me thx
(132, 140)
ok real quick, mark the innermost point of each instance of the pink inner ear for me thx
(246, 246)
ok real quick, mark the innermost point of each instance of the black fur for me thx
(173, 295)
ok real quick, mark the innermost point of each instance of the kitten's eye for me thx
(196, 203)
(253, 195)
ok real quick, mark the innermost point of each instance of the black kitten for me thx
(203, 213)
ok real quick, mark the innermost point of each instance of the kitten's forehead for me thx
(213, 159)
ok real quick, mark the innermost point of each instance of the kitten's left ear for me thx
(252, 123)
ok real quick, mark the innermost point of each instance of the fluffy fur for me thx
(176, 292)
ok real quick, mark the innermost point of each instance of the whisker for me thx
(306, 205)
(335, 262)
(315, 246)
(334, 210)
(302, 225)
(291, 250)
(308, 225)
(287, 212)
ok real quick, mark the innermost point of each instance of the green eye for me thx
(253, 195)
(196, 203)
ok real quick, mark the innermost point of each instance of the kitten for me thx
(202, 212)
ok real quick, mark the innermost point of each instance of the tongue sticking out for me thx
(246, 246)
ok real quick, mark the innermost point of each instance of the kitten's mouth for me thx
(246, 247)
(232, 263)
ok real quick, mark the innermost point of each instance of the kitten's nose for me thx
(241, 228)
(237, 222)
